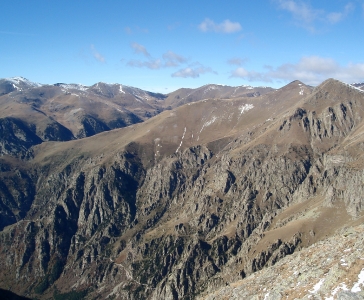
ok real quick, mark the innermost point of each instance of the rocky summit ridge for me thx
(203, 197)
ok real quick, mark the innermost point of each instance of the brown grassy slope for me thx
(198, 123)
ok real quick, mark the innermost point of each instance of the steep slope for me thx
(213, 91)
(63, 112)
(81, 111)
(16, 84)
(320, 272)
(187, 201)
(358, 85)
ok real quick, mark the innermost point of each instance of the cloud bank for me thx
(309, 69)
(237, 61)
(97, 54)
(140, 49)
(308, 17)
(225, 27)
(193, 71)
(169, 59)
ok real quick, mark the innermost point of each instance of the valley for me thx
(111, 192)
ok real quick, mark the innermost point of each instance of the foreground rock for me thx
(329, 269)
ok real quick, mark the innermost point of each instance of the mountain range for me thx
(62, 112)
(112, 192)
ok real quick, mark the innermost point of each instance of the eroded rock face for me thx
(79, 220)
(320, 271)
(16, 137)
(134, 225)
(157, 232)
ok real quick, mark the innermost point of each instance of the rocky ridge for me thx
(320, 271)
(135, 213)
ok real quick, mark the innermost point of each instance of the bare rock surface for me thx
(329, 269)
(194, 199)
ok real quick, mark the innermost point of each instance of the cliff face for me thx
(319, 272)
(122, 220)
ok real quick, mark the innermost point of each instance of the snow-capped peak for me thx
(18, 80)
(352, 85)
(121, 89)
(73, 86)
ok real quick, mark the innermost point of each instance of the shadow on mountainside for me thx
(7, 295)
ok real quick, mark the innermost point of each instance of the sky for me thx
(161, 46)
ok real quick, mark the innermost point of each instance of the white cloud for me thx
(309, 69)
(173, 59)
(140, 49)
(300, 10)
(151, 64)
(225, 27)
(136, 29)
(336, 17)
(193, 71)
(237, 61)
(97, 55)
(308, 17)
(170, 59)
(250, 75)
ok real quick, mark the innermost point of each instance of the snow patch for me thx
(121, 89)
(183, 136)
(208, 123)
(73, 86)
(356, 88)
(210, 88)
(16, 87)
(351, 86)
(317, 286)
(356, 288)
(248, 87)
(20, 80)
(235, 91)
(341, 287)
(245, 108)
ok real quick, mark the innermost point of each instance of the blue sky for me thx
(161, 46)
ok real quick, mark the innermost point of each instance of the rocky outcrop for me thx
(318, 272)
(124, 223)
(17, 192)
(16, 137)
(80, 217)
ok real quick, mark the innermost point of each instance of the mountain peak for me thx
(72, 86)
(18, 80)
(333, 83)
